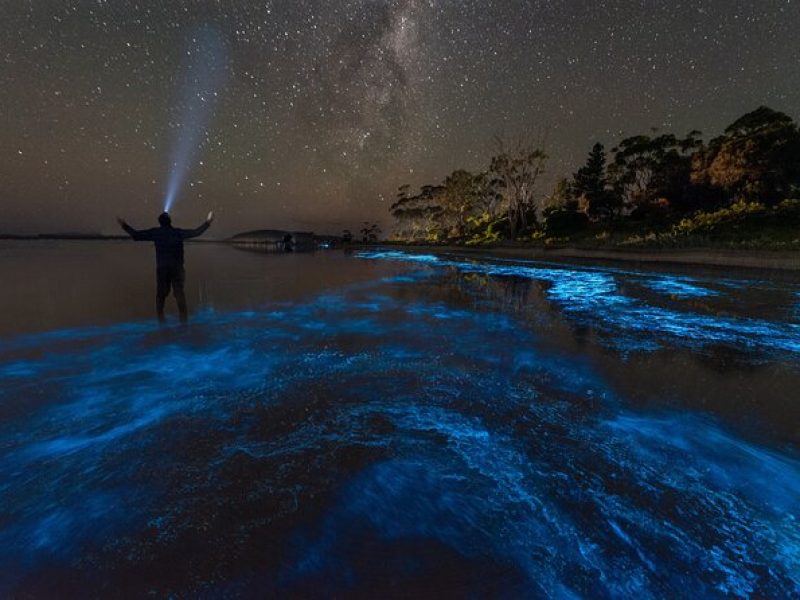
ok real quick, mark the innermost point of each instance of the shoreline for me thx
(774, 260)
(749, 259)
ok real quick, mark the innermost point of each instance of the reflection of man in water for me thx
(169, 258)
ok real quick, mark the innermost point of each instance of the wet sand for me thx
(755, 259)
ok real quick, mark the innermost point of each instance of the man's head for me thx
(164, 220)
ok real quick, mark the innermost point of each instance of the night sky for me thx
(323, 108)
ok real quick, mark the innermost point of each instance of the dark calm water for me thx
(384, 424)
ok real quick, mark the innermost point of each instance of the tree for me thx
(591, 178)
(370, 232)
(561, 198)
(417, 214)
(402, 211)
(445, 210)
(459, 198)
(464, 195)
(757, 158)
(489, 193)
(590, 184)
(518, 167)
(653, 171)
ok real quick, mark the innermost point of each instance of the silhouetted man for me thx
(169, 258)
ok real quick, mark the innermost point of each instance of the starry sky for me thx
(321, 109)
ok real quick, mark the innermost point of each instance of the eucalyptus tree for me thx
(518, 166)
(757, 158)
(649, 170)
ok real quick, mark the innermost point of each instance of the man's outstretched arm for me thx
(136, 234)
(190, 233)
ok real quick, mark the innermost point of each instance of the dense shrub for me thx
(739, 213)
(742, 225)
(740, 217)
(486, 229)
(561, 223)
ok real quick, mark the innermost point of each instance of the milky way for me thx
(330, 106)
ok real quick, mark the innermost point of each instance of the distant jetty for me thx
(281, 241)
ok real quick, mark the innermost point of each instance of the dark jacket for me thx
(168, 241)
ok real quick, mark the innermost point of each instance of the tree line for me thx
(654, 180)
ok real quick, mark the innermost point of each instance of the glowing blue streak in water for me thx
(594, 296)
(488, 453)
(203, 77)
(679, 287)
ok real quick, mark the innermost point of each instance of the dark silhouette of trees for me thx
(649, 183)
(653, 172)
(370, 232)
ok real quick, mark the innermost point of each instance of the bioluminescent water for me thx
(429, 425)
(200, 81)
